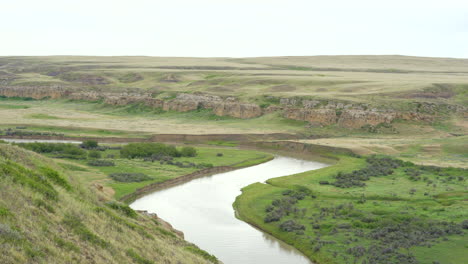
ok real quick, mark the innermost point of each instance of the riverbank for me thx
(202, 209)
(191, 176)
(335, 222)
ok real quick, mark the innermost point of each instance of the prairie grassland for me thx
(368, 79)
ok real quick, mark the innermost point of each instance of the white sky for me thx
(234, 28)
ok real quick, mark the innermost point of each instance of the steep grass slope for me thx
(47, 217)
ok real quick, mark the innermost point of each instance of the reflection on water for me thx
(19, 140)
(202, 209)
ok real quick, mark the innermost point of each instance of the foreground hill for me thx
(47, 217)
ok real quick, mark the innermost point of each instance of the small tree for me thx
(90, 144)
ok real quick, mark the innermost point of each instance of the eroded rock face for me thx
(316, 112)
(315, 116)
(358, 118)
(239, 110)
(52, 92)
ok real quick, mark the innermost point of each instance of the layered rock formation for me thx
(316, 112)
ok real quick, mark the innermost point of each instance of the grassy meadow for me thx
(416, 214)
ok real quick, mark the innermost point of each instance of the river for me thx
(202, 209)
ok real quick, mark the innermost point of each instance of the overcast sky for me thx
(234, 28)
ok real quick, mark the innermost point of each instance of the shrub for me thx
(94, 154)
(375, 167)
(188, 152)
(64, 150)
(89, 144)
(219, 154)
(101, 163)
(141, 150)
(129, 177)
(291, 226)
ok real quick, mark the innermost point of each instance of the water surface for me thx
(202, 209)
(20, 140)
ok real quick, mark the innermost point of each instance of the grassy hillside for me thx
(365, 210)
(47, 216)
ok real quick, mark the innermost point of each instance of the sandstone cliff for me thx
(316, 112)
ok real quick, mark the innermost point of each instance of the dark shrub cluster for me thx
(101, 163)
(129, 177)
(61, 150)
(158, 157)
(375, 167)
(414, 232)
(89, 144)
(285, 206)
(291, 226)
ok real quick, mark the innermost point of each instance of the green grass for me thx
(77, 227)
(42, 116)
(12, 106)
(162, 172)
(385, 200)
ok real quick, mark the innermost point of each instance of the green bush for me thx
(62, 150)
(188, 152)
(142, 150)
(129, 177)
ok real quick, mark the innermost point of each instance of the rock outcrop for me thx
(40, 92)
(316, 112)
